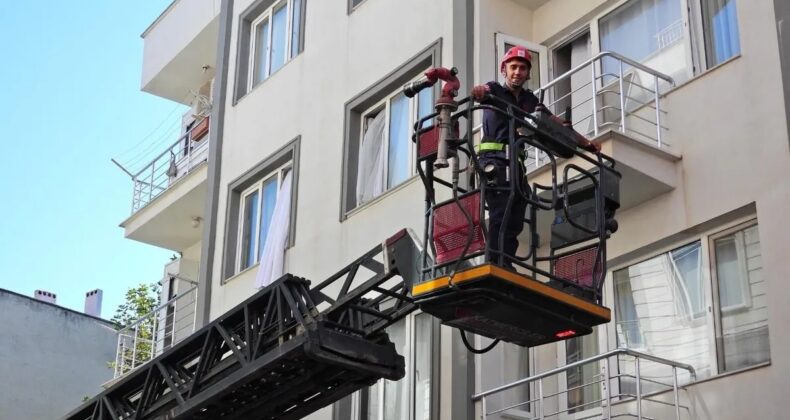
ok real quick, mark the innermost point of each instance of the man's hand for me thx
(593, 147)
(479, 92)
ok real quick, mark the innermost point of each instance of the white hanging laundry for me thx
(370, 173)
(273, 254)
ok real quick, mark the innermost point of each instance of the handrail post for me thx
(622, 99)
(134, 347)
(189, 153)
(675, 391)
(540, 399)
(135, 193)
(608, 389)
(194, 309)
(483, 415)
(658, 112)
(118, 351)
(638, 390)
(151, 185)
(173, 323)
(594, 100)
(153, 335)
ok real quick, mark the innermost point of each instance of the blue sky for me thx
(71, 100)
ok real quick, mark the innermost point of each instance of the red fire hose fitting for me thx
(451, 83)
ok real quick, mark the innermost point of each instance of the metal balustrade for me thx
(177, 160)
(627, 99)
(156, 331)
(630, 385)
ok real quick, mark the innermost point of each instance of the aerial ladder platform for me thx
(295, 347)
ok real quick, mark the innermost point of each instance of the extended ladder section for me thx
(551, 289)
(285, 352)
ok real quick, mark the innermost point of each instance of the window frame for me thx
(705, 234)
(519, 412)
(502, 39)
(746, 303)
(364, 101)
(278, 173)
(718, 312)
(410, 386)
(692, 28)
(688, 37)
(356, 405)
(385, 105)
(257, 13)
(700, 41)
(287, 157)
(268, 16)
(693, 317)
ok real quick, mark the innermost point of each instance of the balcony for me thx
(621, 383)
(179, 49)
(619, 106)
(157, 331)
(168, 194)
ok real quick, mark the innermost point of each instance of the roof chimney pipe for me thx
(93, 303)
(45, 296)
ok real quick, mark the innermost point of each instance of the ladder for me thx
(285, 352)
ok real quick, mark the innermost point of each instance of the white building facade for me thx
(689, 96)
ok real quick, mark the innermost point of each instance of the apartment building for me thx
(690, 98)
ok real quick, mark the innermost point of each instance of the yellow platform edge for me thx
(484, 270)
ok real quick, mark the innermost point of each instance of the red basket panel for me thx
(451, 228)
(578, 267)
(428, 142)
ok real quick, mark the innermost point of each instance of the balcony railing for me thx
(629, 385)
(177, 160)
(608, 91)
(157, 331)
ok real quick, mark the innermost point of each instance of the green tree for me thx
(137, 324)
(139, 302)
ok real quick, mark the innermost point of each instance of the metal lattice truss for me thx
(283, 353)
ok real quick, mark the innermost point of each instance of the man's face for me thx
(516, 72)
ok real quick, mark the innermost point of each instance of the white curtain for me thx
(371, 163)
(273, 254)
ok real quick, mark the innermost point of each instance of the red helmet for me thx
(513, 53)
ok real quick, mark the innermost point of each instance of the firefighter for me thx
(515, 66)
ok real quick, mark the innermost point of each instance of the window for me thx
(385, 155)
(648, 31)
(655, 308)
(377, 149)
(687, 280)
(742, 315)
(271, 35)
(671, 306)
(256, 216)
(504, 364)
(657, 33)
(410, 397)
(582, 382)
(720, 26)
(252, 200)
